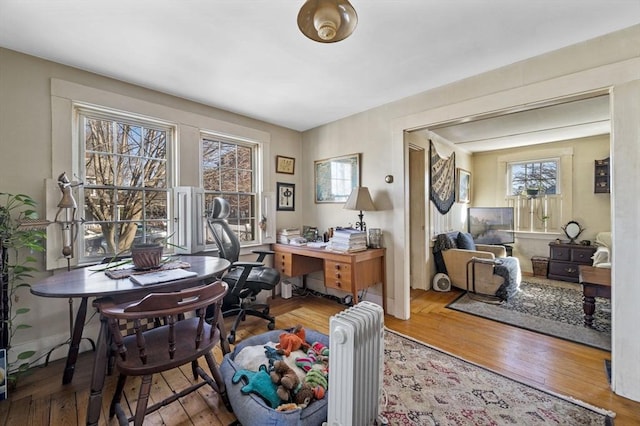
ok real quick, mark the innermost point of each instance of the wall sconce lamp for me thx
(360, 199)
(327, 21)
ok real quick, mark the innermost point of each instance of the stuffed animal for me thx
(288, 406)
(318, 382)
(304, 395)
(285, 379)
(317, 358)
(292, 341)
(258, 382)
(272, 355)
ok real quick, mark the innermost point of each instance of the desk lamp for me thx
(360, 199)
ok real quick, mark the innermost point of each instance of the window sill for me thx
(536, 235)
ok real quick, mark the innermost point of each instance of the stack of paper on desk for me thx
(161, 276)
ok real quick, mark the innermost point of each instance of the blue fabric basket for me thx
(250, 409)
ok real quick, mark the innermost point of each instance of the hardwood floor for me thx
(544, 362)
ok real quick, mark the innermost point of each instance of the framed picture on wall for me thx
(463, 179)
(335, 178)
(285, 164)
(286, 196)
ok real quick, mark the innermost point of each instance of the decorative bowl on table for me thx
(146, 255)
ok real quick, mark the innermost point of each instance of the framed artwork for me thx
(285, 164)
(463, 192)
(335, 177)
(286, 196)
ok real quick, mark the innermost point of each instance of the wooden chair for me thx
(176, 343)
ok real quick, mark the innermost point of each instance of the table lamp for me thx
(360, 199)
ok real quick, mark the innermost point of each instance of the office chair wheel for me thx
(231, 338)
(271, 326)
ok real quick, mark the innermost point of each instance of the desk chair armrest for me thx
(247, 264)
(262, 254)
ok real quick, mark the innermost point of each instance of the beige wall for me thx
(609, 63)
(31, 88)
(592, 211)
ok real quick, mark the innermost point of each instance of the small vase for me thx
(146, 255)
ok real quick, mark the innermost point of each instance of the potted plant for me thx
(16, 270)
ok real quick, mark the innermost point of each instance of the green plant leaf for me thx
(22, 311)
(26, 355)
(23, 326)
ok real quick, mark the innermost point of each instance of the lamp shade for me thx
(360, 199)
(327, 21)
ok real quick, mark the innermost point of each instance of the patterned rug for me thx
(549, 307)
(424, 386)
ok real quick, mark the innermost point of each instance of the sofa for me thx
(491, 274)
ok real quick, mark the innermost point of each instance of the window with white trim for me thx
(533, 189)
(125, 164)
(230, 170)
(534, 177)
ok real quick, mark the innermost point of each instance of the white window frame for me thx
(65, 95)
(559, 206)
(260, 236)
(540, 160)
(82, 112)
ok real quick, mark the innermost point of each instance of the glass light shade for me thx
(327, 21)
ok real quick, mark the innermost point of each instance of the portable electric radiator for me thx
(356, 365)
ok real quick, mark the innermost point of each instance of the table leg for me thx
(99, 371)
(74, 344)
(589, 307)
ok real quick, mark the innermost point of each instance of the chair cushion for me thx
(260, 278)
(465, 241)
(250, 409)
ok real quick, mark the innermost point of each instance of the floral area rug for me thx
(424, 386)
(549, 307)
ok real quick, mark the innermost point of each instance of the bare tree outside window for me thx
(125, 184)
(539, 175)
(228, 171)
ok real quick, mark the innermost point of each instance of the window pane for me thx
(537, 175)
(245, 181)
(98, 135)
(228, 171)
(125, 184)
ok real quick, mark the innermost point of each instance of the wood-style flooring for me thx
(544, 362)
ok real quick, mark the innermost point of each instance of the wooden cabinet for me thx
(602, 179)
(565, 259)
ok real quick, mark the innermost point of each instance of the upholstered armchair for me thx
(492, 274)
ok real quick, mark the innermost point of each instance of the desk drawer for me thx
(294, 265)
(282, 262)
(337, 275)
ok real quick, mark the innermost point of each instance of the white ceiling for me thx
(571, 119)
(248, 56)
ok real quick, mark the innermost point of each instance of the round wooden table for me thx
(87, 282)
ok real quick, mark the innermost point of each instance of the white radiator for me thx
(356, 344)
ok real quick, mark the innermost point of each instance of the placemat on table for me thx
(117, 274)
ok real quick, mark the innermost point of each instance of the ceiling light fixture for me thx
(327, 21)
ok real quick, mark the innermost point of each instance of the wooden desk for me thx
(349, 272)
(84, 283)
(596, 282)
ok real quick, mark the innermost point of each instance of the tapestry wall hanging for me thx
(442, 179)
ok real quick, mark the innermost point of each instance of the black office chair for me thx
(246, 279)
